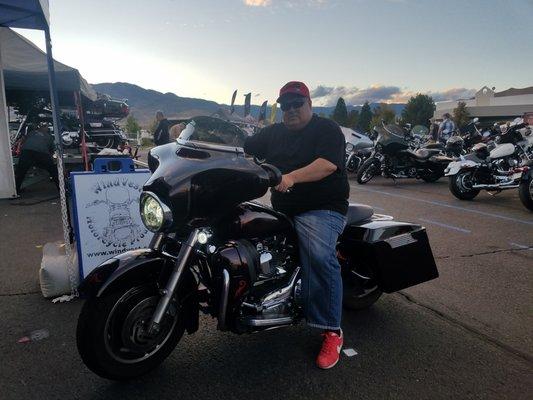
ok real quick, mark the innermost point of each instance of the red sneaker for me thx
(330, 352)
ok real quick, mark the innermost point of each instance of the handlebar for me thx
(274, 174)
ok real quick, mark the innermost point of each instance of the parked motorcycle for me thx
(358, 148)
(216, 252)
(502, 168)
(393, 158)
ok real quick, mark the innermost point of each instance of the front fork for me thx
(168, 291)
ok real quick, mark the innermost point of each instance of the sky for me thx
(376, 50)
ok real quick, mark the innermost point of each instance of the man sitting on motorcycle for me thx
(309, 151)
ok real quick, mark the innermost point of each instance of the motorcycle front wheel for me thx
(111, 333)
(525, 191)
(367, 171)
(461, 185)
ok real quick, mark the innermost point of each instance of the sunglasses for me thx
(295, 104)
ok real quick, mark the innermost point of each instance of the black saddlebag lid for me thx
(403, 261)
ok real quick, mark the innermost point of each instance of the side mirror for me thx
(475, 120)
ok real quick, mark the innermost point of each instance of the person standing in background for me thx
(36, 151)
(161, 134)
(446, 128)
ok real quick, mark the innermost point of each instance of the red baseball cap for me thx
(294, 87)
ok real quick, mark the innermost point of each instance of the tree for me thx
(419, 110)
(132, 126)
(383, 113)
(365, 117)
(353, 117)
(461, 116)
(340, 114)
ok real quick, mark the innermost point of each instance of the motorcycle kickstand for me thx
(494, 193)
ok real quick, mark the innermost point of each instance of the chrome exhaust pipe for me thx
(497, 186)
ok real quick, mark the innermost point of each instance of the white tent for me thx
(25, 67)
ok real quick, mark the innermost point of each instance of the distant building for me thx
(490, 106)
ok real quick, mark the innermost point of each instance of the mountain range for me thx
(145, 102)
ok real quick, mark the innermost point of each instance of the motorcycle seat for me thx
(358, 212)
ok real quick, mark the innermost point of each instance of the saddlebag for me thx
(398, 255)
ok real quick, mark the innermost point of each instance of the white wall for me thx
(7, 177)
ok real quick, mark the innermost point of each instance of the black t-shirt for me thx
(291, 150)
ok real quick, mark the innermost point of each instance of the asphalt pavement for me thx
(465, 335)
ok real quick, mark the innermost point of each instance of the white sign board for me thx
(106, 215)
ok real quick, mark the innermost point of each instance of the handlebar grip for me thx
(274, 174)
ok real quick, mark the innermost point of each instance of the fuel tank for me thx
(253, 220)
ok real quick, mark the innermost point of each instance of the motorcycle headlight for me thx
(154, 213)
(349, 147)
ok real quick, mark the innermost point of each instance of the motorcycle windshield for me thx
(204, 173)
(392, 134)
(210, 132)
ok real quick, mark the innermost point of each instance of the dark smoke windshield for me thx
(213, 131)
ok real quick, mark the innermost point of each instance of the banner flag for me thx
(247, 102)
(232, 109)
(273, 112)
(263, 111)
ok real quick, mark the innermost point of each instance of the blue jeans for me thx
(317, 232)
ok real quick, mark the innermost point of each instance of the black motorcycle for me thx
(394, 157)
(358, 149)
(216, 252)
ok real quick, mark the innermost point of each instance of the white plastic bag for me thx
(53, 274)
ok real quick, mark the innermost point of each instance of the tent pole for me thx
(59, 152)
(79, 106)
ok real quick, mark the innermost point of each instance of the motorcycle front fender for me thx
(137, 267)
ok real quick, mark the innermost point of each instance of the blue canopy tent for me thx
(29, 14)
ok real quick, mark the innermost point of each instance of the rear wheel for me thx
(112, 338)
(367, 171)
(525, 191)
(461, 185)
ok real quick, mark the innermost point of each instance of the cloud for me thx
(328, 95)
(257, 3)
(285, 3)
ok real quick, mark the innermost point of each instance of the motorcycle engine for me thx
(264, 283)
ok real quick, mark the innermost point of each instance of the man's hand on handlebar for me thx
(286, 183)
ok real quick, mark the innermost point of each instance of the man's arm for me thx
(317, 170)
(257, 145)
(158, 131)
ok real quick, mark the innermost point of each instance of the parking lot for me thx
(464, 335)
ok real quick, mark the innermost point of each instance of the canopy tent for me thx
(28, 68)
(31, 14)
(25, 68)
